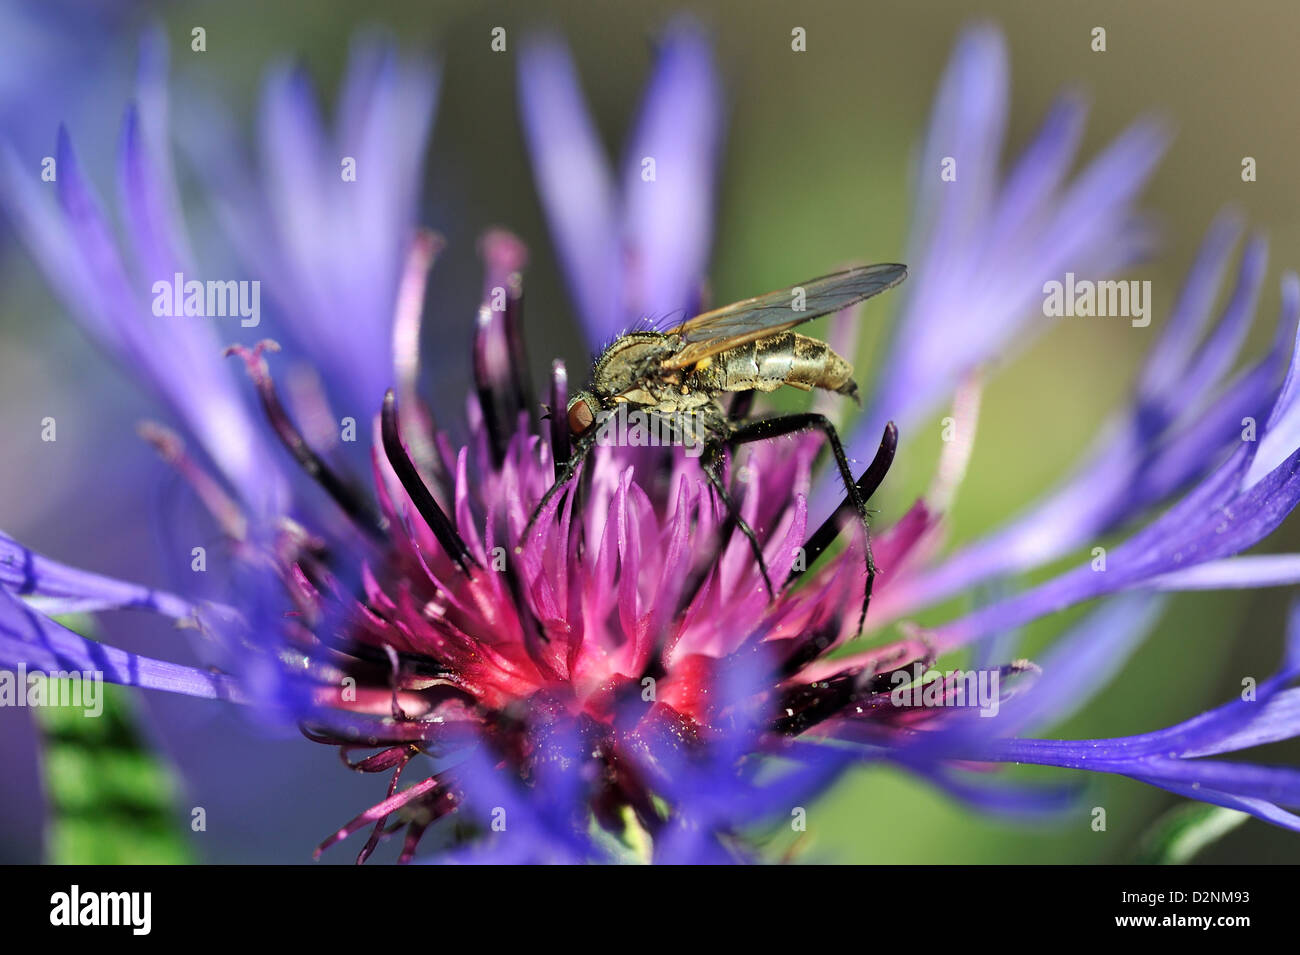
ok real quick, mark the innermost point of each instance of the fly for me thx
(680, 375)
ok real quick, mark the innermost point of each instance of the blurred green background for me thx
(816, 172)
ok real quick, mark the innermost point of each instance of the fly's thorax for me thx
(631, 361)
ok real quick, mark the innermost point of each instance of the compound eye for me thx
(580, 416)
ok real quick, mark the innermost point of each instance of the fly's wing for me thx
(765, 315)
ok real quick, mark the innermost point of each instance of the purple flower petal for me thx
(1017, 800)
(25, 572)
(1277, 718)
(32, 640)
(1282, 430)
(327, 219)
(1076, 667)
(1167, 364)
(1154, 449)
(668, 221)
(1219, 351)
(1259, 808)
(966, 125)
(980, 255)
(1234, 573)
(197, 385)
(575, 184)
(1168, 758)
(1083, 662)
(639, 253)
(178, 357)
(1224, 515)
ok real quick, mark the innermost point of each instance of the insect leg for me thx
(581, 448)
(711, 462)
(793, 423)
(868, 481)
(741, 406)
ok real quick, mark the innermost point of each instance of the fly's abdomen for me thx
(787, 358)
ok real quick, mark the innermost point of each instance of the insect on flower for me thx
(678, 377)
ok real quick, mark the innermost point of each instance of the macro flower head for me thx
(644, 660)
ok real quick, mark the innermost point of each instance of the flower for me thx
(619, 682)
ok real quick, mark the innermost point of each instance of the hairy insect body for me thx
(786, 358)
(630, 361)
(629, 375)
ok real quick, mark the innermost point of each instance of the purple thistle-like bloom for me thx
(619, 683)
